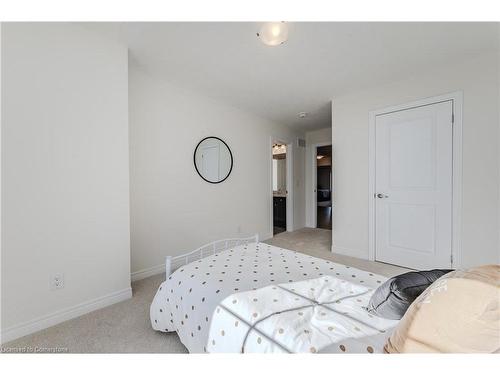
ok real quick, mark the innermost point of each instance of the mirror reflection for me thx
(279, 169)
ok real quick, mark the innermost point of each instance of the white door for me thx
(413, 195)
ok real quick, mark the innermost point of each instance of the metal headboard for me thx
(174, 262)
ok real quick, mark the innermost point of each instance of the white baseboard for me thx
(355, 253)
(265, 237)
(60, 316)
(147, 272)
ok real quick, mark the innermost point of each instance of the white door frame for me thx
(289, 182)
(315, 146)
(457, 100)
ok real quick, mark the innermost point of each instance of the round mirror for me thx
(213, 160)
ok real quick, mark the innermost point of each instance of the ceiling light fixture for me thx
(273, 33)
(302, 114)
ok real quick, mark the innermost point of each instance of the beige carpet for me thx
(120, 328)
(318, 243)
(125, 328)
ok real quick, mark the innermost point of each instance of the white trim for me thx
(314, 218)
(456, 249)
(289, 182)
(354, 253)
(457, 100)
(266, 237)
(147, 272)
(271, 200)
(371, 187)
(289, 187)
(63, 315)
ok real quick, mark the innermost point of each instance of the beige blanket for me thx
(459, 313)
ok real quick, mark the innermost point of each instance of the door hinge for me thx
(452, 118)
(451, 259)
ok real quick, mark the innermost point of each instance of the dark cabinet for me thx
(279, 212)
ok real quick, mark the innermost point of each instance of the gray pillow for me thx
(392, 298)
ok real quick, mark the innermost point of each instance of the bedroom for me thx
(137, 179)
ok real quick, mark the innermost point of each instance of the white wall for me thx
(313, 137)
(172, 209)
(478, 79)
(65, 186)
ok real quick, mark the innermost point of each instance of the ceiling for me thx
(324, 151)
(319, 61)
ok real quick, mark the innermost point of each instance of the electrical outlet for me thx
(57, 281)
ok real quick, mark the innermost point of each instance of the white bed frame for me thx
(172, 263)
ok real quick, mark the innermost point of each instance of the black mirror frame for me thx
(230, 154)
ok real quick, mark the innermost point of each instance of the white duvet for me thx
(185, 303)
(323, 314)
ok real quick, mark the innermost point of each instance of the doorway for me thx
(324, 187)
(280, 190)
(413, 184)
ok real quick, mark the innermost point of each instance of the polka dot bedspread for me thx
(186, 301)
(303, 317)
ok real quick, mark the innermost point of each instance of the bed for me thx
(199, 282)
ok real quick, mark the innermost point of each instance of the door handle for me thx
(381, 196)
